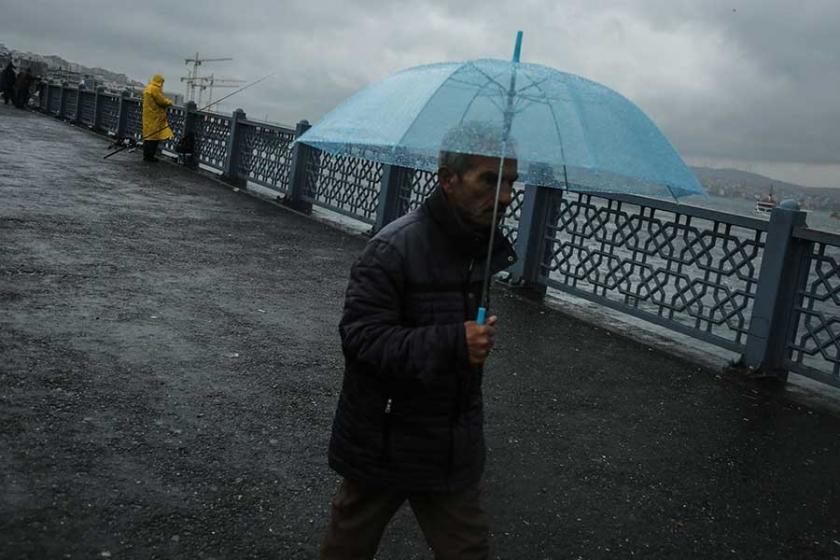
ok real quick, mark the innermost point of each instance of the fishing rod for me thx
(243, 88)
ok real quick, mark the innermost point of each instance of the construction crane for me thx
(217, 82)
(200, 83)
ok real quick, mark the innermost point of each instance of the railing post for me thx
(96, 108)
(77, 116)
(122, 115)
(62, 101)
(779, 282)
(191, 116)
(297, 196)
(45, 96)
(391, 187)
(131, 127)
(49, 96)
(231, 166)
(530, 240)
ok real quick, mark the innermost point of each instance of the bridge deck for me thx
(169, 366)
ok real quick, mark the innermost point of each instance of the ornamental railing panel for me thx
(814, 341)
(71, 97)
(689, 269)
(265, 154)
(177, 118)
(510, 222)
(417, 189)
(55, 99)
(344, 185)
(133, 118)
(108, 113)
(212, 132)
(87, 107)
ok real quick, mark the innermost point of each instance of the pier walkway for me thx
(170, 363)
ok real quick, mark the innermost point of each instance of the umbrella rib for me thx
(559, 135)
(496, 104)
(523, 105)
(534, 83)
(471, 85)
(491, 79)
(476, 96)
(423, 108)
(543, 100)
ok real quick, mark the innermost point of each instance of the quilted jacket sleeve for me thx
(371, 330)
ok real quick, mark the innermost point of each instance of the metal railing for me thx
(769, 290)
(691, 270)
(812, 345)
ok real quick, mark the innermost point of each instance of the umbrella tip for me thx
(518, 49)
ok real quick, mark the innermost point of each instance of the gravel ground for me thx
(169, 366)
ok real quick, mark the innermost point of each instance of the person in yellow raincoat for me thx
(155, 125)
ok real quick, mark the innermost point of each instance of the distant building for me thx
(36, 67)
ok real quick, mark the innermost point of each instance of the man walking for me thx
(409, 421)
(155, 125)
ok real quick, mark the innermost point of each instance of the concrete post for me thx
(231, 166)
(530, 240)
(394, 179)
(62, 97)
(46, 95)
(297, 195)
(97, 107)
(49, 94)
(781, 277)
(191, 119)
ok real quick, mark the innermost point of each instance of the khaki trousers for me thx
(454, 525)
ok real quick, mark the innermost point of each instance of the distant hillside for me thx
(55, 63)
(734, 183)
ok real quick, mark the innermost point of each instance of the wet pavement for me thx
(170, 362)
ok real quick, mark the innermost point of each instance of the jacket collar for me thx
(466, 240)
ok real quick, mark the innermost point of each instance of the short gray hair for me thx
(472, 138)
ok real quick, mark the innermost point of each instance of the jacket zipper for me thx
(386, 432)
(459, 396)
(465, 290)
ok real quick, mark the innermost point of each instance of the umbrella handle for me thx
(482, 315)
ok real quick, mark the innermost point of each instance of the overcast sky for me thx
(751, 84)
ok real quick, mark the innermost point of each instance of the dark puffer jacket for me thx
(410, 416)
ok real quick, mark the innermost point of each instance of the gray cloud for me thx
(751, 81)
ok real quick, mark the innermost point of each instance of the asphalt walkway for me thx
(170, 363)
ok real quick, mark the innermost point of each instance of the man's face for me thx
(473, 192)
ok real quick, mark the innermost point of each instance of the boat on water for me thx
(763, 206)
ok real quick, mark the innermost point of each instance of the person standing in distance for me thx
(155, 125)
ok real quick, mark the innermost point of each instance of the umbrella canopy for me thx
(564, 130)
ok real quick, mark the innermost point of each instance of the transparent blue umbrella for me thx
(565, 131)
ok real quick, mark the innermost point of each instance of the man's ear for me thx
(447, 179)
